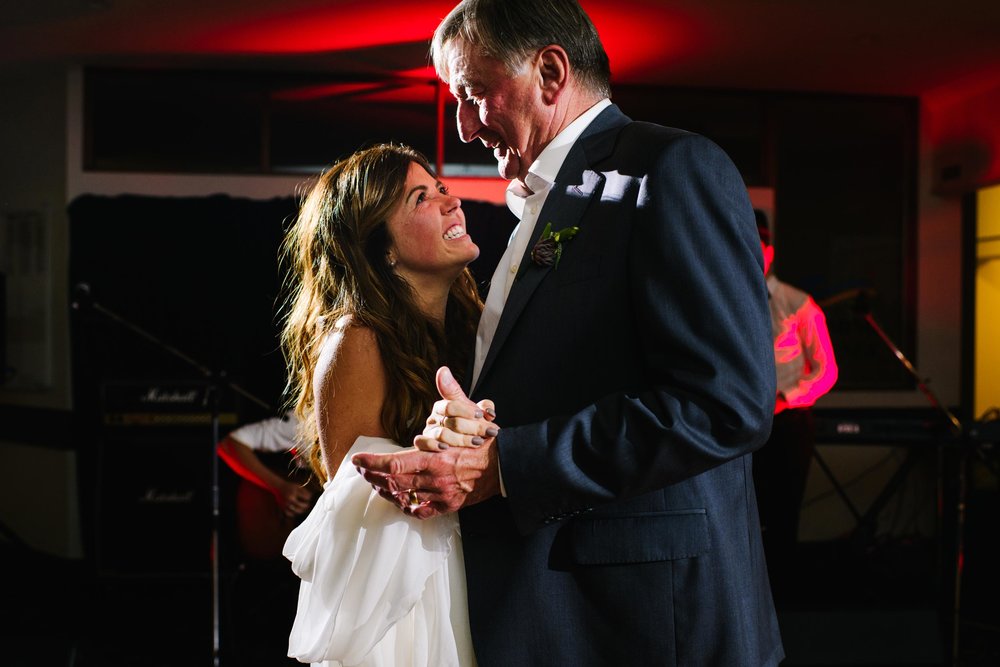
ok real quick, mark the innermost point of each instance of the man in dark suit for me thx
(611, 519)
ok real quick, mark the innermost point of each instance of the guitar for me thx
(261, 525)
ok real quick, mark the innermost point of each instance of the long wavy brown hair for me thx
(336, 253)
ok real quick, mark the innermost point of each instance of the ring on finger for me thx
(411, 496)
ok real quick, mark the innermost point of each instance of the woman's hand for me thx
(455, 421)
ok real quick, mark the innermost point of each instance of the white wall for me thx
(32, 182)
(39, 498)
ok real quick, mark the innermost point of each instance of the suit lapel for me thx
(564, 206)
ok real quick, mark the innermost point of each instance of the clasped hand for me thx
(454, 463)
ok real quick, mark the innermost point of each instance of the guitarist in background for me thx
(806, 370)
(271, 499)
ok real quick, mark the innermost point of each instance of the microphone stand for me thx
(83, 301)
(956, 428)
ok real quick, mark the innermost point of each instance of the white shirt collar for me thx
(547, 165)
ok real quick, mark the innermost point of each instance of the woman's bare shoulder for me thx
(348, 348)
(350, 364)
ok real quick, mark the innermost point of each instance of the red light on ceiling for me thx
(395, 91)
(338, 27)
(425, 73)
(320, 91)
(645, 36)
(419, 94)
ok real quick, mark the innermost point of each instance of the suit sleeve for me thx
(696, 287)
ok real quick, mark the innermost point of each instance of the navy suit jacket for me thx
(632, 382)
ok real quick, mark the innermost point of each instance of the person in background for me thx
(239, 450)
(806, 370)
(275, 489)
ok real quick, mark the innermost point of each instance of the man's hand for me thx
(455, 464)
(426, 484)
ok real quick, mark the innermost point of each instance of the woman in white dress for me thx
(381, 297)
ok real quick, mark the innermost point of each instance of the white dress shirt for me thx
(277, 434)
(526, 204)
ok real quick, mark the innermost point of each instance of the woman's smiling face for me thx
(428, 232)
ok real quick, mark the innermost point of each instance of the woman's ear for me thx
(553, 66)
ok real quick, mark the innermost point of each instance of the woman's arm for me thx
(350, 389)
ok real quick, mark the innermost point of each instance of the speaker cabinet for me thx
(154, 510)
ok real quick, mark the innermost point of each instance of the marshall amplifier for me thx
(154, 478)
(165, 404)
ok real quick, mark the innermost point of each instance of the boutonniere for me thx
(549, 247)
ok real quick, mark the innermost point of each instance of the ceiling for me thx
(891, 47)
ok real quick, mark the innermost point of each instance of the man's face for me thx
(503, 110)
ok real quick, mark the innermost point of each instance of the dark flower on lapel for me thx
(549, 247)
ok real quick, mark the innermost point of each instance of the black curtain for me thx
(202, 275)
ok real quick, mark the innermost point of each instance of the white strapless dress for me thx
(379, 588)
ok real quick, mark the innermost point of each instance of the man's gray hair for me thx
(511, 30)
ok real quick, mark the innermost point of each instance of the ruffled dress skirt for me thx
(379, 588)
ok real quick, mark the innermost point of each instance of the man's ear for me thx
(553, 66)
